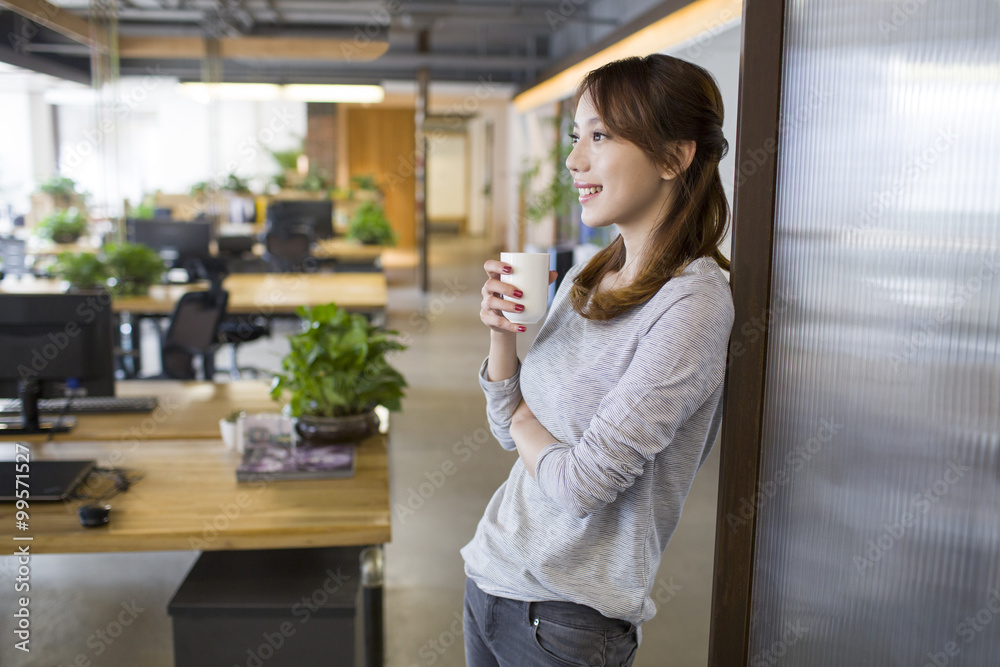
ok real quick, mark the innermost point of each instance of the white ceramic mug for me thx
(530, 274)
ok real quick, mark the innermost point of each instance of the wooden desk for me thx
(187, 410)
(249, 293)
(189, 499)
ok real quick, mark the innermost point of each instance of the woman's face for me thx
(617, 182)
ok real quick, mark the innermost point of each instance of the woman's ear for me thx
(685, 152)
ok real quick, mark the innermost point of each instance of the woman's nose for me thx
(575, 161)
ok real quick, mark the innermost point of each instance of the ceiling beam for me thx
(54, 18)
(273, 48)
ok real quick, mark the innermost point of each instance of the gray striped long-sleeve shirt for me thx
(634, 404)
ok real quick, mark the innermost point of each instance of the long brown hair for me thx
(656, 102)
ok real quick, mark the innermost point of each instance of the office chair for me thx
(233, 330)
(193, 331)
(287, 250)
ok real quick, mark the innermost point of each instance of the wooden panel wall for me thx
(381, 142)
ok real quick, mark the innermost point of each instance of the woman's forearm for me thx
(502, 364)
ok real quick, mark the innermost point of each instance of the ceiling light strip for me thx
(684, 25)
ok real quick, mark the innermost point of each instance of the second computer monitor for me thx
(317, 216)
(177, 242)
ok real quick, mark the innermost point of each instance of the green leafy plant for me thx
(63, 226)
(60, 188)
(554, 195)
(369, 225)
(144, 211)
(134, 267)
(83, 270)
(235, 184)
(315, 181)
(201, 189)
(364, 182)
(289, 159)
(336, 366)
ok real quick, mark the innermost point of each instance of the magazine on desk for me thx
(272, 451)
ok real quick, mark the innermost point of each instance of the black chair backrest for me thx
(193, 330)
(287, 250)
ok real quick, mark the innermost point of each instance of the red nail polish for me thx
(506, 269)
(521, 329)
(519, 308)
(517, 294)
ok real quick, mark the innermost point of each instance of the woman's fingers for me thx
(494, 268)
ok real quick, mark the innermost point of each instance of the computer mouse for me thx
(92, 516)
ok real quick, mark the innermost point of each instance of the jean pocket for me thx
(575, 645)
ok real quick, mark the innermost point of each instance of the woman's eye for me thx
(599, 135)
(574, 138)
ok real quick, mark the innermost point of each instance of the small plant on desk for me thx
(134, 267)
(336, 373)
(83, 270)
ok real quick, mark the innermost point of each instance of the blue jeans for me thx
(511, 633)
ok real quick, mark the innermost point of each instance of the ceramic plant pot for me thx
(332, 430)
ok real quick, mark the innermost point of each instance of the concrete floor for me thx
(76, 600)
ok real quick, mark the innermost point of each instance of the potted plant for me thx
(61, 189)
(63, 226)
(134, 267)
(229, 428)
(370, 226)
(335, 373)
(83, 270)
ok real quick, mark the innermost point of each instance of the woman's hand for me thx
(493, 306)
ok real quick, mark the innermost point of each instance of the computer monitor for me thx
(179, 243)
(293, 214)
(55, 345)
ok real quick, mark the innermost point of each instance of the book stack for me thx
(273, 451)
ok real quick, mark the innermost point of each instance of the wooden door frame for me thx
(754, 203)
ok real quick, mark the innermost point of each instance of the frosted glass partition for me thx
(878, 536)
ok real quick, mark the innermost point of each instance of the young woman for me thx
(617, 403)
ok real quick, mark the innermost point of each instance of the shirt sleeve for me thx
(678, 364)
(502, 398)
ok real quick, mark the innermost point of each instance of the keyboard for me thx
(85, 404)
